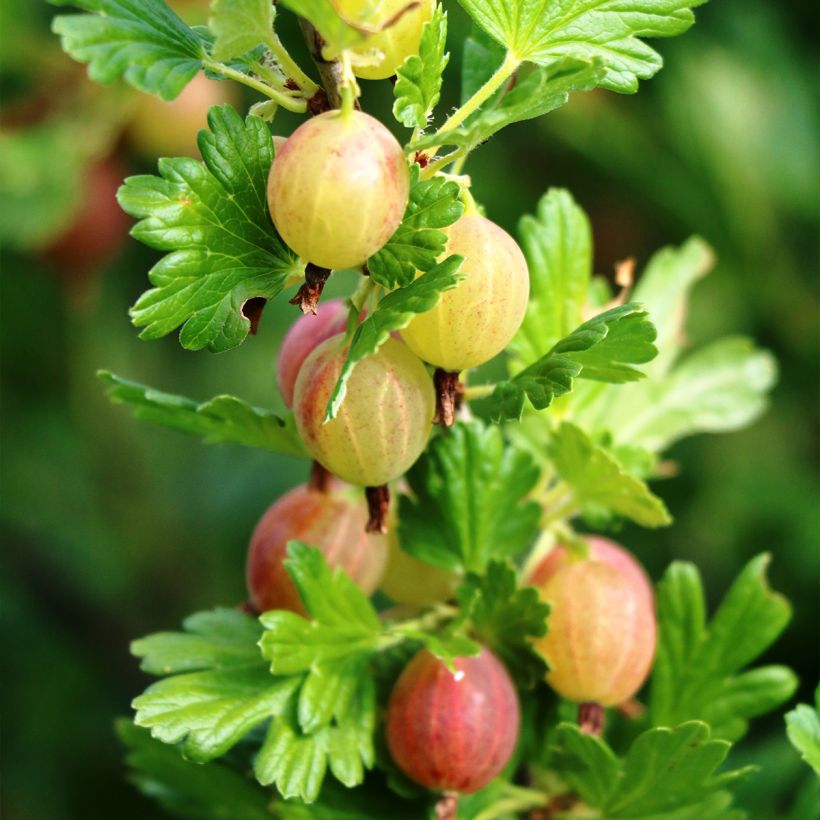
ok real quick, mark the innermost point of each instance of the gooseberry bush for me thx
(432, 629)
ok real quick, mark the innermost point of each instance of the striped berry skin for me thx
(338, 188)
(476, 319)
(453, 731)
(602, 633)
(384, 421)
(397, 41)
(332, 521)
(600, 549)
(305, 334)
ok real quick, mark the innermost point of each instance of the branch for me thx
(330, 72)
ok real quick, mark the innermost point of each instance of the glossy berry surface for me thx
(338, 188)
(602, 550)
(332, 521)
(395, 42)
(410, 581)
(453, 730)
(475, 320)
(305, 334)
(384, 421)
(602, 633)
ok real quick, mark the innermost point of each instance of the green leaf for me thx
(468, 502)
(538, 90)
(141, 41)
(418, 242)
(602, 349)
(338, 32)
(667, 773)
(504, 618)
(197, 791)
(222, 420)
(698, 666)
(239, 26)
(394, 312)
(213, 221)
(418, 78)
(597, 479)
(717, 389)
(219, 686)
(482, 57)
(803, 729)
(543, 31)
(557, 243)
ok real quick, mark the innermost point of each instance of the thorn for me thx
(378, 504)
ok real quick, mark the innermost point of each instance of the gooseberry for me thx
(305, 334)
(453, 730)
(475, 320)
(601, 633)
(384, 421)
(397, 41)
(338, 188)
(334, 522)
(407, 580)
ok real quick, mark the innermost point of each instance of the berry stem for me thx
(319, 478)
(290, 66)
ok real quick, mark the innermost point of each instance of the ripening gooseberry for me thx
(407, 580)
(384, 421)
(453, 730)
(334, 522)
(602, 633)
(396, 42)
(476, 319)
(338, 188)
(305, 334)
(600, 549)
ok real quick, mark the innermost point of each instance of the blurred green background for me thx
(112, 528)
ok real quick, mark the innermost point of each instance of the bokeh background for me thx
(112, 528)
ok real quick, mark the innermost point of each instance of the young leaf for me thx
(716, 389)
(418, 242)
(418, 79)
(602, 349)
(467, 506)
(213, 221)
(239, 26)
(803, 729)
(545, 30)
(598, 480)
(538, 90)
(504, 618)
(558, 245)
(207, 791)
(698, 666)
(393, 313)
(141, 41)
(667, 773)
(218, 689)
(222, 420)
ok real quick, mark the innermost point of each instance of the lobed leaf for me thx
(418, 242)
(557, 243)
(610, 31)
(140, 41)
(504, 617)
(418, 80)
(212, 220)
(602, 349)
(667, 774)
(394, 312)
(698, 666)
(598, 480)
(239, 26)
(803, 729)
(468, 502)
(222, 420)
